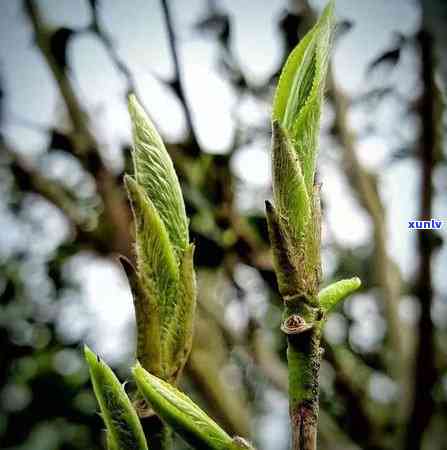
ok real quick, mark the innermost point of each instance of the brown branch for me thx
(425, 369)
(82, 136)
(110, 48)
(97, 239)
(177, 82)
(116, 211)
(29, 179)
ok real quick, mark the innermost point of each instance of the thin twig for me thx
(86, 146)
(104, 36)
(177, 82)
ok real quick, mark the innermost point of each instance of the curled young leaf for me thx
(181, 413)
(299, 94)
(289, 189)
(283, 257)
(330, 296)
(155, 255)
(155, 173)
(163, 285)
(111, 445)
(124, 430)
(295, 82)
(163, 288)
(181, 321)
(147, 317)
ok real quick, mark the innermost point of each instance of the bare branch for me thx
(110, 47)
(425, 369)
(177, 83)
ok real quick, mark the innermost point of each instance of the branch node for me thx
(295, 324)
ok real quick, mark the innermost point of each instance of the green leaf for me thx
(300, 90)
(306, 130)
(283, 258)
(295, 81)
(155, 255)
(124, 431)
(157, 293)
(289, 189)
(330, 296)
(182, 318)
(181, 413)
(155, 173)
(147, 317)
(164, 287)
(111, 445)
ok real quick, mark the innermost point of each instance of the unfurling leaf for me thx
(181, 413)
(300, 90)
(155, 173)
(330, 296)
(289, 189)
(296, 126)
(155, 254)
(295, 81)
(124, 431)
(163, 284)
(148, 320)
(182, 318)
(283, 255)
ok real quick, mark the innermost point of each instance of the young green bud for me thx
(124, 429)
(163, 286)
(155, 173)
(147, 319)
(181, 413)
(155, 254)
(331, 295)
(300, 90)
(284, 260)
(296, 126)
(289, 189)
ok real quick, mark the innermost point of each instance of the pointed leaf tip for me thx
(141, 121)
(154, 172)
(299, 94)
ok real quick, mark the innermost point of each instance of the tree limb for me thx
(425, 374)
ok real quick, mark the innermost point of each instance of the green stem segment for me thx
(302, 325)
(304, 357)
(295, 222)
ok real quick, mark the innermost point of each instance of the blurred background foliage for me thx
(206, 70)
